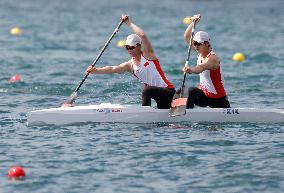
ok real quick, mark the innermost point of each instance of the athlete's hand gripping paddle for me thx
(74, 95)
(178, 105)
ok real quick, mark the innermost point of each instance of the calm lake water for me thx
(61, 38)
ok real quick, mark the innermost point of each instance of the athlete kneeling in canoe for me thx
(145, 66)
(211, 91)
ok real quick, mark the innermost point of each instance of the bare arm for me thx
(148, 49)
(123, 67)
(212, 63)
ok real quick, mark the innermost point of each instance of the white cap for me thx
(132, 40)
(201, 37)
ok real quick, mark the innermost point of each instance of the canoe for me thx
(117, 113)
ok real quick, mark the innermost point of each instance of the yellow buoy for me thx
(238, 57)
(15, 31)
(121, 43)
(187, 20)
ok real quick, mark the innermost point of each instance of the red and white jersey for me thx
(150, 73)
(211, 81)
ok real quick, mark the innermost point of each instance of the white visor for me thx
(201, 37)
(133, 40)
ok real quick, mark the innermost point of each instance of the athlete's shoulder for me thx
(214, 57)
(213, 62)
(149, 56)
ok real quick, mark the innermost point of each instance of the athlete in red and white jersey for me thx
(145, 66)
(211, 81)
(150, 73)
(211, 91)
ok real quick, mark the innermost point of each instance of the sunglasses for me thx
(196, 43)
(130, 47)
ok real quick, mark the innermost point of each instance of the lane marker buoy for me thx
(121, 43)
(15, 78)
(15, 31)
(186, 20)
(238, 57)
(16, 173)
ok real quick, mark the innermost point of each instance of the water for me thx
(61, 38)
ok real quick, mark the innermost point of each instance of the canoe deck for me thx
(107, 113)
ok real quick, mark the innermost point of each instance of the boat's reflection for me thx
(186, 125)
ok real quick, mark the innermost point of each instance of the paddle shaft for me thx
(188, 54)
(98, 57)
(179, 102)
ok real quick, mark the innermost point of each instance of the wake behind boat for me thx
(116, 113)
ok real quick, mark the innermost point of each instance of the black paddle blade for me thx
(71, 99)
(178, 105)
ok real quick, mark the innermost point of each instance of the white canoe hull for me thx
(107, 113)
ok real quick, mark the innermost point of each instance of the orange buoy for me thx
(15, 78)
(16, 172)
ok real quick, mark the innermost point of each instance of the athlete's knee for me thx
(190, 100)
(146, 96)
(147, 91)
(192, 90)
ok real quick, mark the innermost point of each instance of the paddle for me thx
(178, 105)
(74, 95)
